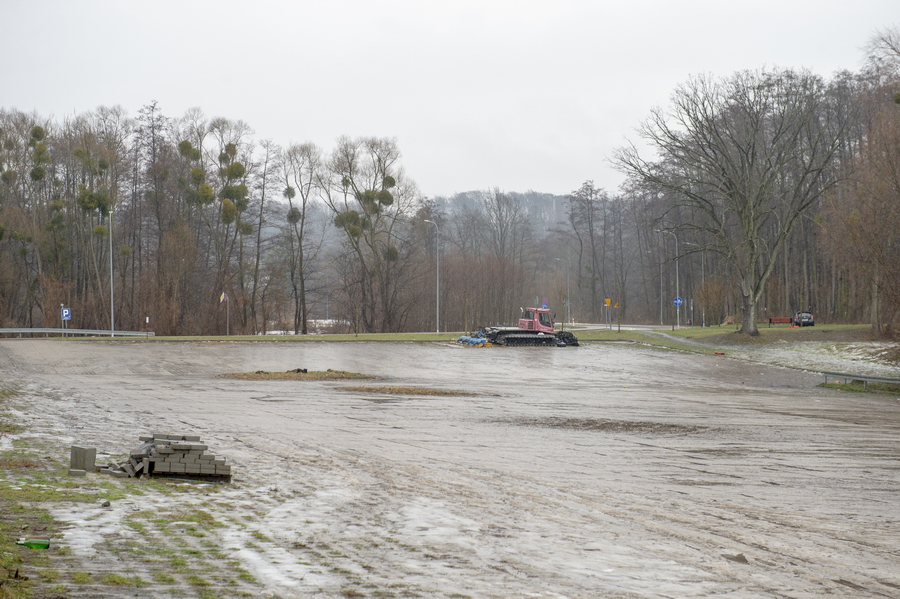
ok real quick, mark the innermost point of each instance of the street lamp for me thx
(677, 291)
(112, 305)
(660, 260)
(702, 277)
(567, 312)
(437, 282)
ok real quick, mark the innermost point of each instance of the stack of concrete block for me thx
(182, 454)
(170, 455)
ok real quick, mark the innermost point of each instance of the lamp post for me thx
(661, 307)
(437, 281)
(112, 295)
(567, 313)
(702, 277)
(660, 289)
(677, 287)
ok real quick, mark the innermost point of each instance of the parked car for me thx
(803, 319)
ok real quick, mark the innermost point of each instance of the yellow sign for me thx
(608, 301)
(616, 306)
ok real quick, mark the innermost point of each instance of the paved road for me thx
(608, 470)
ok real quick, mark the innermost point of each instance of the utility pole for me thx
(437, 284)
(112, 295)
(677, 288)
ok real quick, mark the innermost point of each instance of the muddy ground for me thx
(608, 470)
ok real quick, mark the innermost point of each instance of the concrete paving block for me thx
(141, 450)
(76, 472)
(192, 468)
(207, 469)
(83, 458)
(161, 467)
(223, 469)
(119, 474)
(192, 438)
(176, 467)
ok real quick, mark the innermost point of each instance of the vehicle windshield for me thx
(545, 319)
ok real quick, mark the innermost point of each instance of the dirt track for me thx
(601, 471)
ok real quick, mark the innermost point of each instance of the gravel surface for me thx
(607, 470)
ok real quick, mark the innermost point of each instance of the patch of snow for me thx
(271, 564)
(90, 526)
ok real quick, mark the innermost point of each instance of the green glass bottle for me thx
(34, 543)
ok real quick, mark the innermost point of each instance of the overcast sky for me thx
(515, 94)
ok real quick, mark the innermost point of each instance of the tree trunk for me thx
(750, 311)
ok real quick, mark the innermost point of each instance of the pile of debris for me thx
(182, 456)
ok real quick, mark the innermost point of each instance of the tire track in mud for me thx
(765, 541)
(419, 536)
(338, 496)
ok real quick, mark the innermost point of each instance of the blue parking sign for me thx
(67, 313)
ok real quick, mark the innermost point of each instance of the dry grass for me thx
(399, 390)
(19, 463)
(608, 426)
(298, 375)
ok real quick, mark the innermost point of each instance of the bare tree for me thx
(267, 170)
(372, 199)
(863, 217)
(747, 156)
(303, 171)
(587, 219)
(883, 52)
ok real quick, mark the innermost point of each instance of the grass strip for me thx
(861, 387)
(298, 375)
(401, 390)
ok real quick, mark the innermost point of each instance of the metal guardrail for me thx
(865, 378)
(66, 332)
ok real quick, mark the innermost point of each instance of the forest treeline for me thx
(767, 192)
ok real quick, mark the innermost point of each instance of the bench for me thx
(780, 320)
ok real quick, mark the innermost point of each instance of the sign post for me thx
(65, 315)
(224, 298)
(677, 301)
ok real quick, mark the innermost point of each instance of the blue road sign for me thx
(678, 301)
(543, 306)
(67, 313)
